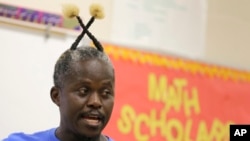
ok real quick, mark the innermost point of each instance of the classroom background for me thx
(182, 66)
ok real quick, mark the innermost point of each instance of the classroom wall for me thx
(228, 33)
(100, 29)
(26, 78)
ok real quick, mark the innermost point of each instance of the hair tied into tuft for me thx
(70, 10)
(96, 10)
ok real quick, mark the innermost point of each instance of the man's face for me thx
(86, 98)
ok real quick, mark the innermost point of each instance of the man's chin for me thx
(90, 133)
(90, 128)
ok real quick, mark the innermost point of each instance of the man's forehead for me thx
(92, 67)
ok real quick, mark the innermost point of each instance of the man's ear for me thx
(55, 96)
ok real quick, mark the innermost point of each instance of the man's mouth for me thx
(92, 119)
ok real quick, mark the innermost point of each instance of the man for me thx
(84, 94)
(84, 83)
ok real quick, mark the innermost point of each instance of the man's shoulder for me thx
(37, 136)
(109, 138)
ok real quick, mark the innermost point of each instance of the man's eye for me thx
(106, 92)
(83, 91)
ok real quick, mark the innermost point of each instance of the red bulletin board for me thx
(159, 98)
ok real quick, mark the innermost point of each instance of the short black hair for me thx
(63, 65)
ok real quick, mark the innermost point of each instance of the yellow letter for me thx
(127, 117)
(219, 131)
(157, 123)
(157, 91)
(188, 130)
(191, 102)
(176, 126)
(174, 95)
(173, 99)
(137, 131)
(202, 133)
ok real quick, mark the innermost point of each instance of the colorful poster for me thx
(159, 98)
(38, 17)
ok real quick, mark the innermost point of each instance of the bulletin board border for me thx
(189, 66)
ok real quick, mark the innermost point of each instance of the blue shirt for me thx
(48, 135)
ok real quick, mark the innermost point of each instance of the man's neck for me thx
(63, 135)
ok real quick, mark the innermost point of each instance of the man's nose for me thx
(94, 101)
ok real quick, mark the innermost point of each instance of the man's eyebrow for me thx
(88, 81)
(108, 82)
(82, 82)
